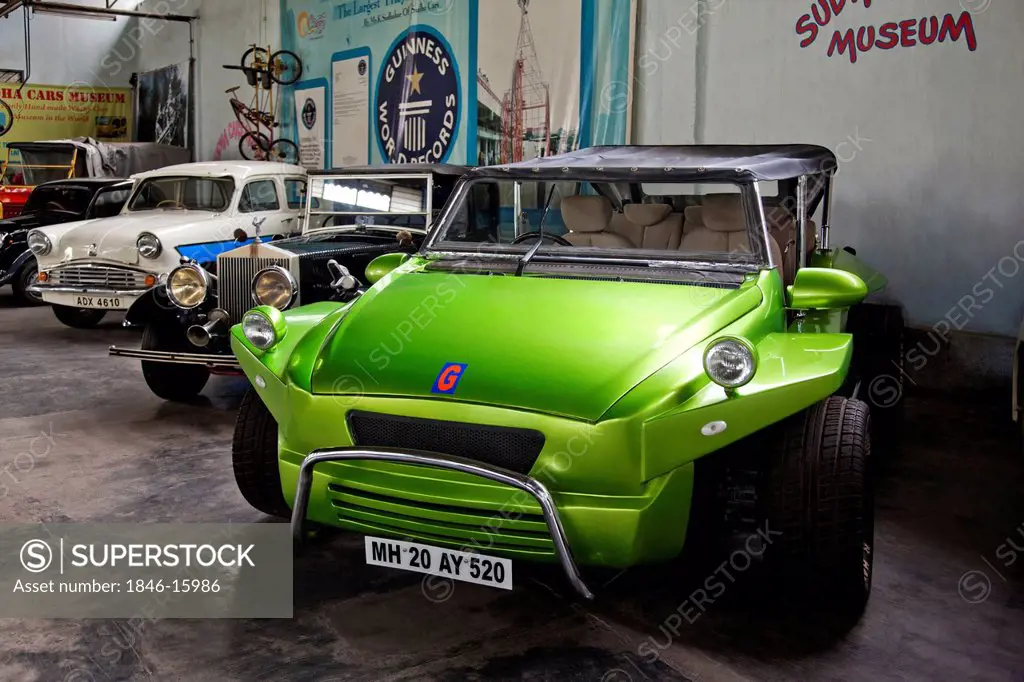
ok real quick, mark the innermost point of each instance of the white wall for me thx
(223, 31)
(929, 192)
(65, 50)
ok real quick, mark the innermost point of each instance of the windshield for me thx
(57, 198)
(36, 166)
(599, 220)
(109, 201)
(387, 201)
(183, 193)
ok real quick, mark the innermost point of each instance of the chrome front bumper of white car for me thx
(93, 285)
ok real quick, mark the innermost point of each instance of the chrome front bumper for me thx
(206, 359)
(59, 289)
(497, 474)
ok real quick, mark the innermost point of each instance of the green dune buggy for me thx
(584, 346)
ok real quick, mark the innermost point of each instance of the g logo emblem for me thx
(448, 380)
(418, 102)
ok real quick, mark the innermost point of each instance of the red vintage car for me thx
(32, 163)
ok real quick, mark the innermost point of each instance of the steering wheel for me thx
(173, 202)
(562, 241)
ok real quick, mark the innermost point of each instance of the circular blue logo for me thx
(309, 113)
(418, 102)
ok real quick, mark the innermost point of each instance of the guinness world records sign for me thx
(426, 81)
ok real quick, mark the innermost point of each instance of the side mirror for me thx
(825, 289)
(382, 265)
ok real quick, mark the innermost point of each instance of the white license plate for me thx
(447, 563)
(91, 301)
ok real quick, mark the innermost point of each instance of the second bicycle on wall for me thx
(265, 71)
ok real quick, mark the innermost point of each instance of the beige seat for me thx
(720, 227)
(620, 224)
(588, 219)
(661, 228)
(649, 226)
(693, 218)
(782, 226)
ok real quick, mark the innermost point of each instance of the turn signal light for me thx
(43, 277)
(150, 280)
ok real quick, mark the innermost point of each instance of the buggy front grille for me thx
(515, 449)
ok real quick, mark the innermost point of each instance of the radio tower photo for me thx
(526, 109)
(517, 124)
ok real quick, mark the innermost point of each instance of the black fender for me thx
(152, 305)
(19, 262)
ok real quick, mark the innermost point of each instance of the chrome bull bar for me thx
(206, 359)
(504, 476)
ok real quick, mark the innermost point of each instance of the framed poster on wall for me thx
(350, 100)
(311, 105)
(163, 106)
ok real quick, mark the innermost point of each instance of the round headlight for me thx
(259, 330)
(275, 287)
(730, 363)
(39, 243)
(148, 245)
(187, 286)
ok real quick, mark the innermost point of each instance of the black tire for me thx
(249, 57)
(177, 383)
(879, 361)
(284, 151)
(818, 493)
(78, 318)
(25, 278)
(292, 70)
(254, 457)
(254, 146)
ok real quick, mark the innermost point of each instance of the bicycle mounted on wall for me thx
(265, 71)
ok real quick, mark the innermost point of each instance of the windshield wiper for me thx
(528, 256)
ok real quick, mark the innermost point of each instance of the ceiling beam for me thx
(67, 8)
(10, 7)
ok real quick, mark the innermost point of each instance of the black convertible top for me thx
(692, 163)
(396, 168)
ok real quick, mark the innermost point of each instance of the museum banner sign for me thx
(456, 81)
(57, 112)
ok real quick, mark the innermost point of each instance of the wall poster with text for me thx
(461, 81)
(59, 112)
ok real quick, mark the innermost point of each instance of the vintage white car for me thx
(187, 212)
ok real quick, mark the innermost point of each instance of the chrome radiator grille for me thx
(234, 281)
(98, 277)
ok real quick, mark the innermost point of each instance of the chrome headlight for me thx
(259, 330)
(39, 243)
(187, 286)
(149, 245)
(730, 362)
(275, 287)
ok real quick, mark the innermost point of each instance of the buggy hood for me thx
(570, 347)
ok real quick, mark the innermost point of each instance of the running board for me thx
(206, 359)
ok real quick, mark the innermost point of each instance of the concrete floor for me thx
(947, 502)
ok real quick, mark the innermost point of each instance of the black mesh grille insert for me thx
(510, 448)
